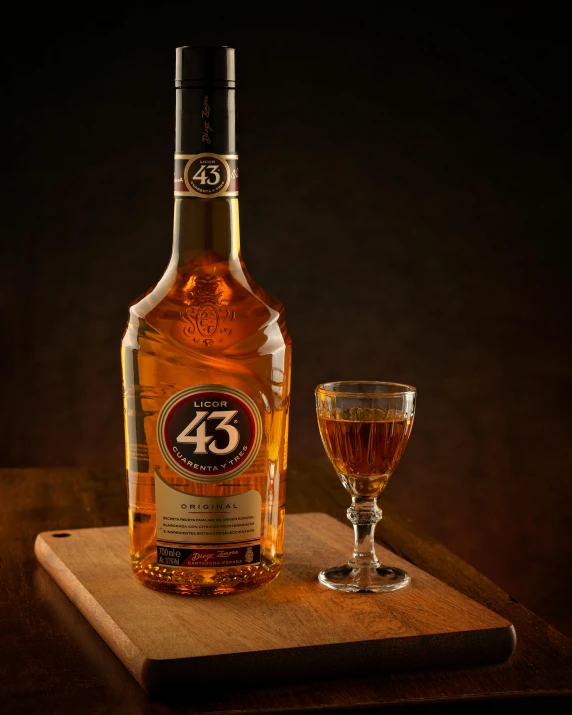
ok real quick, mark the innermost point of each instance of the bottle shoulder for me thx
(210, 306)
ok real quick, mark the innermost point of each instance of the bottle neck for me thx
(206, 231)
(206, 228)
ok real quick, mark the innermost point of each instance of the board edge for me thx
(127, 652)
(393, 655)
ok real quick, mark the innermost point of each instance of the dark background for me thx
(405, 193)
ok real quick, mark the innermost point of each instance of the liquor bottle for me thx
(206, 372)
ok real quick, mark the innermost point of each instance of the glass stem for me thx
(364, 515)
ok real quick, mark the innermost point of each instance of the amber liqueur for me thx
(365, 446)
(206, 372)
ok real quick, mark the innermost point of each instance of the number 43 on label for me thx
(200, 439)
(202, 178)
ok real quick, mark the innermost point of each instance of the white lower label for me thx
(187, 519)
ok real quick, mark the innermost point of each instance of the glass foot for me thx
(364, 579)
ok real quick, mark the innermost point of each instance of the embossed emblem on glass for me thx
(207, 312)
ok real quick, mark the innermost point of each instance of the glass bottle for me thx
(206, 371)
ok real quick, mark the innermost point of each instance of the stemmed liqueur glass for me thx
(365, 427)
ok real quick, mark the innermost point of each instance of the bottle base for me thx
(187, 582)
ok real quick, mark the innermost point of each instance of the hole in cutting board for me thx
(60, 536)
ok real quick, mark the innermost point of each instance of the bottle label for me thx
(209, 433)
(192, 531)
(206, 176)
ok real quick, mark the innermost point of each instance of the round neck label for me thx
(206, 175)
(209, 433)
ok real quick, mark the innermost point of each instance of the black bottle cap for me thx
(205, 67)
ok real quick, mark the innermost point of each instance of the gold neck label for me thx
(206, 175)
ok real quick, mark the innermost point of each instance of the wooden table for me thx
(52, 661)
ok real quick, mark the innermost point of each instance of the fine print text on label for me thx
(205, 558)
(184, 520)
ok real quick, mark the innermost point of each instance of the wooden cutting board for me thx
(292, 628)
